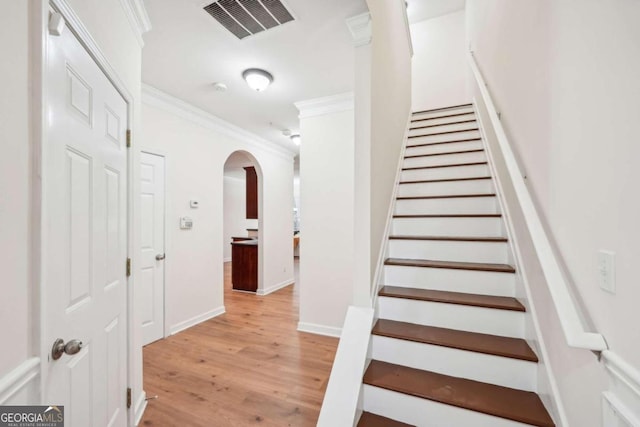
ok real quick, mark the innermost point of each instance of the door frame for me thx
(39, 18)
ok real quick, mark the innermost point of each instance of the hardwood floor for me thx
(247, 367)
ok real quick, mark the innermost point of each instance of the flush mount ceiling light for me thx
(296, 139)
(257, 79)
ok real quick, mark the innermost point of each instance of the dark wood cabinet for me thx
(252, 192)
(244, 265)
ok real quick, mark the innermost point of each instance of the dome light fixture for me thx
(296, 139)
(257, 79)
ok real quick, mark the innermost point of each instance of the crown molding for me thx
(325, 105)
(360, 28)
(159, 99)
(138, 18)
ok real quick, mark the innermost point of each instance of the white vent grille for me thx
(244, 18)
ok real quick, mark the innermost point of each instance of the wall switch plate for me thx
(607, 271)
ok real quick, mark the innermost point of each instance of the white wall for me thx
(196, 152)
(439, 66)
(326, 222)
(564, 76)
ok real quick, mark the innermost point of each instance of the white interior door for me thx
(150, 282)
(84, 238)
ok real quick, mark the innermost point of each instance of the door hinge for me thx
(128, 267)
(128, 138)
(128, 397)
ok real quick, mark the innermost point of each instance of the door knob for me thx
(70, 348)
(159, 257)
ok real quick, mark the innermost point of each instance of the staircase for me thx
(447, 349)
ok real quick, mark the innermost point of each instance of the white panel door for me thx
(150, 279)
(84, 238)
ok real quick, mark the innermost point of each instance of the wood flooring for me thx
(247, 367)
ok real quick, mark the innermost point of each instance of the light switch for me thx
(607, 271)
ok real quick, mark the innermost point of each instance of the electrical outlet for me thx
(607, 271)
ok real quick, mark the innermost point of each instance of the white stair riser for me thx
(444, 148)
(426, 138)
(446, 112)
(426, 413)
(483, 320)
(418, 130)
(445, 159)
(445, 173)
(467, 116)
(445, 279)
(471, 227)
(476, 186)
(488, 368)
(447, 250)
(462, 205)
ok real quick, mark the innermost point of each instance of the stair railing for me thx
(573, 328)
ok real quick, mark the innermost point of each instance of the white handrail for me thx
(572, 325)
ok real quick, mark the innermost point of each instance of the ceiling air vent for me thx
(247, 17)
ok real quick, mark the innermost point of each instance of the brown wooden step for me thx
(454, 265)
(517, 405)
(444, 133)
(429, 181)
(447, 297)
(442, 109)
(372, 420)
(442, 117)
(443, 142)
(513, 348)
(452, 165)
(443, 124)
(451, 238)
(447, 196)
(449, 216)
(445, 154)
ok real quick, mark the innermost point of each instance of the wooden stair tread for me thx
(449, 216)
(444, 133)
(445, 166)
(447, 297)
(477, 150)
(447, 196)
(451, 238)
(443, 124)
(442, 117)
(430, 181)
(372, 420)
(513, 348)
(442, 108)
(454, 265)
(517, 405)
(426, 144)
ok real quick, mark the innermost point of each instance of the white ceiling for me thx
(419, 10)
(187, 51)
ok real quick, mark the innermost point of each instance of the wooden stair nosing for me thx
(448, 216)
(442, 109)
(368, 419)
(477, 150)
(429, 181)
(445, 166)
(452, 265)
(442, 117)
(449, 297)
(512, 348)
(451, 238)
(444, 124)
(504, 402)
(426, 144)
(446, 196)
(445, 133)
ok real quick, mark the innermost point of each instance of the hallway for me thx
(246, 367)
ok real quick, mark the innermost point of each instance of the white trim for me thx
(313, 328)
(624, 385)
(186, 324)
(141, 405)
(271, 289)
(614, 410)
(407, 27)
(227, 259)
(159, 99)
(574, 331)
(360, 28)
(18, 378)
(325, 105)
(137, 17)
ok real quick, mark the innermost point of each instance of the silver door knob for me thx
(159, 257)
(60, 348)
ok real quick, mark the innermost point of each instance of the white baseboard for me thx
(141, 405)
(271, 289)
(18, 380)
(624, 388)
(179, 327)
(228, 259)
(313, 328)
